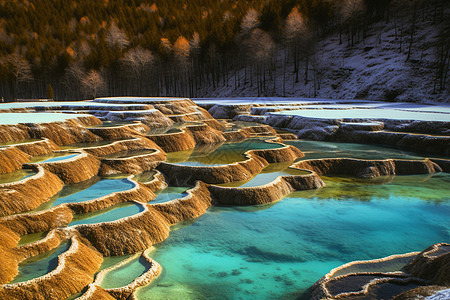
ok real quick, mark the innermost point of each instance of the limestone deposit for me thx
(132, 153)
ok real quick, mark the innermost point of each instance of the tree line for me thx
(79, 49)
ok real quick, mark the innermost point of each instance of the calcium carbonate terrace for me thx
(287, 228)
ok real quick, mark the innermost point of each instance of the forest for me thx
(82, 49)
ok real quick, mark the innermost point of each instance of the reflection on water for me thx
(3, 144)
(219, 154)
(277, 251)
(317, 149)
(114, 213)
(30, 238)
(267, 175)
(170, 193)
(87, 145)
(41, 264)
(93, 188)
(125, 274)
(16, 175)
(55, 156)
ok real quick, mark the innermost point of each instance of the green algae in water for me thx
(16, 175)
(170, 193)
(226, 153)
(277, 251)
(114, 213)
(125, 274)
(93, 188)
(4, 144)
(41, 264)
(32, 237)
(145, 176)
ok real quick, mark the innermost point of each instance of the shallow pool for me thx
(370, 113)
(125, 274)
(114, 213)
(318, 149)
(53, 157)
(16, 175)
(277, 251)
(16, 118)
(93, 188)
(41, 264)
(222, 154)
(170, 193)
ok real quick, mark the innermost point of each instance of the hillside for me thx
(390, 49)
(377, 67)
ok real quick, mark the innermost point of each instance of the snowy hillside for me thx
(376, 68)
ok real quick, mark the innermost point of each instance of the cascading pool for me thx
(41, 264)
(226, 153)
(16, 175)
(170, 193)
(113, 213)
(93, 188)
(277, 251)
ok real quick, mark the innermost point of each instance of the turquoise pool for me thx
(114, 213)
(170, 193)
(91, 189)
(277, 251)
(226, 153)
(41, 264)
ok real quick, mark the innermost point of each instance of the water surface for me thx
(93, 188)
(170, 193)
(114, 213)
(277, 251)
(41, 264)
(226, 153)
(16, 175)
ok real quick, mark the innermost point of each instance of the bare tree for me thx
(21, 71)
(352, 12)
(116, 37)
(250, 20)
(298, 36)
(93, 83)
(137, 61)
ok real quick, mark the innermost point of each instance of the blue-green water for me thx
(316, 149)
(267, 175)
(55, 156)
(61, 158)
(16, 175)
(125, 274)
(277, 251)
(91, 189)
(114, 213)
(170, 193)
(226, 153)
(41, 264)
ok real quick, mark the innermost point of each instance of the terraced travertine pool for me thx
(16, 175)
(41, 264)
(276, 251)
(216, 155)
(93, 188)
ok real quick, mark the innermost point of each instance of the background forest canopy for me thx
(78, 49)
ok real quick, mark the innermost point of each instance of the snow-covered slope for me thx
(376, 68)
